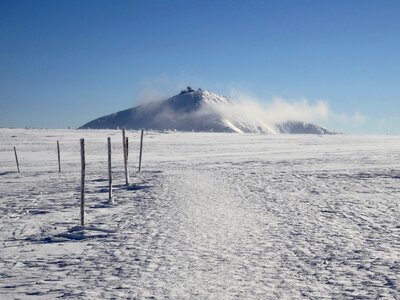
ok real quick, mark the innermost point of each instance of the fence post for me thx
(82, 182)
(141, 149)
(59, 159)
(110, 198)
(16, 158)
(127, 147)
(125, 157)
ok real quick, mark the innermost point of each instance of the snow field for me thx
(212, 215)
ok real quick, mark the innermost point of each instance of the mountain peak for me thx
(197, 110)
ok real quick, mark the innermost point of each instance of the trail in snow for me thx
(212, 216)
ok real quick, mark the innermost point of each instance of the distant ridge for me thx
(199, 111)
(298, 127)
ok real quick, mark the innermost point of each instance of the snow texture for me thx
(199, 111)
(213, 215)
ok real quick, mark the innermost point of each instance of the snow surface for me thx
(212, 215)
(200, 111)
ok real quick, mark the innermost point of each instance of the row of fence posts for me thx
(125, 144)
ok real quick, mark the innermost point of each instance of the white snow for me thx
(213, 215)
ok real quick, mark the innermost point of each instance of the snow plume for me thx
(279, 110)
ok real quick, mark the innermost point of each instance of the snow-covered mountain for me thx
(197, 111)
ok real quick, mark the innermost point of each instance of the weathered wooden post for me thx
(141, 149)
(82, 182)
(16, 158)
(125, 157)
(58, 153)
(110, 198)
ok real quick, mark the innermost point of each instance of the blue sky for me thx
(63, 63)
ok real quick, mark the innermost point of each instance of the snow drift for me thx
(200, 111)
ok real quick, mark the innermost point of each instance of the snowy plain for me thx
(212, 215)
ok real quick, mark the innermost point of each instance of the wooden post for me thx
(110, 198)
(16, 158)
(59, 160)
(82, 182)
(127, 147)
(141, 149)
(125, 157)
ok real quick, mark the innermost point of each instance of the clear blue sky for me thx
(63, 63)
